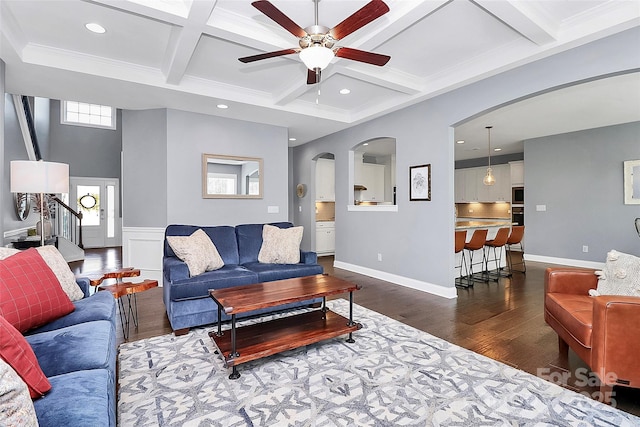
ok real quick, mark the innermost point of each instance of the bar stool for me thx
(461, 238)
(497, 243)
(476, 243)
(515, 238)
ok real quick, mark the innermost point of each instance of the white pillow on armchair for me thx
(620, 275)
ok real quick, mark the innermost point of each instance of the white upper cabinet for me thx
(372, 177)
(470, 188)
(325, 180)
(517, 173)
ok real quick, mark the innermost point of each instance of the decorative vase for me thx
(47, 228)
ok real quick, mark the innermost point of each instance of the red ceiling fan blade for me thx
(280, 18)
(267, 55)
(313, 76)
(369, 12)
(362, 56)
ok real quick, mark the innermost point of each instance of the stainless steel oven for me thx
(517, 215)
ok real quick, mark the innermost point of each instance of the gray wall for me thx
(579, 177)
(189, 135)
(14, 149)
(162, 168)
(90, 152)
(144, 168)
(4, 195)
(417, 241)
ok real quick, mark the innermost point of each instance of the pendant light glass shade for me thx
(489, 179)
(316, 57)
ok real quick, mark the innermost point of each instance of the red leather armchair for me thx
(603, 330)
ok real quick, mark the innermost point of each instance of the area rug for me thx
(394, 375)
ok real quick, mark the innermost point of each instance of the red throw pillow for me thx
(30, 294)
(16, 351)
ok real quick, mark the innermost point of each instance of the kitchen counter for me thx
(470, 224)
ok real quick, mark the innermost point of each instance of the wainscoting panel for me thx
(142, 248)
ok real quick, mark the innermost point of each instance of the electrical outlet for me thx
(379, 257)
(299, 208)
(585, 248)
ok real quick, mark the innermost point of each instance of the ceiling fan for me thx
(317, 43)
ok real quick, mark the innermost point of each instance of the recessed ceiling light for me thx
(345, 91)
(497, 149)
(222, 106)
(95, 28)
(292, 139)
(460, 142)
(365, 144)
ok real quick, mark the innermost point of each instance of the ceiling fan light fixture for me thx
(316, 56)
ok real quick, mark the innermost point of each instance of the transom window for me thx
(91, 115)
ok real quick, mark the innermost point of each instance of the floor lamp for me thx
(39, 177)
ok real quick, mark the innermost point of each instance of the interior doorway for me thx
(98, 200)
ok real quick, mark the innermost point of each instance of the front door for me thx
(97, 199)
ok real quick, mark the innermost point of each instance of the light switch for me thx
(273, 209)
(541, 208)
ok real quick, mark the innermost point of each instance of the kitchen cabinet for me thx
(325, 180)
(325, 238)
(371, 176)
(470, 188)
(517, 173)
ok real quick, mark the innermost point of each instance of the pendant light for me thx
(489, 179)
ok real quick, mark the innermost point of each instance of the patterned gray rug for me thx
(394, 375)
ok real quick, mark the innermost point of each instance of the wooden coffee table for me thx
(262, 339)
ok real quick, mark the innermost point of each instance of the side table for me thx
(124, 289)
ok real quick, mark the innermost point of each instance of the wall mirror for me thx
(22, 204)
(231, 177)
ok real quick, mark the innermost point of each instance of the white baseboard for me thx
(142, 248)
(564, 261)
(430, 288)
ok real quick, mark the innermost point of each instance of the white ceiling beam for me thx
(184, 41)
(523, 18)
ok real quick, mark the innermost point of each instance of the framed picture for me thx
(420, 182)
(632, 182)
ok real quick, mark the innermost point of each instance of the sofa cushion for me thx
(99, 306)
(81, 398)
(15, 401)
(620, 275)
(223, 237)
(30, 294)
(197, 251)
(58, 265)
(574, 312)
(79, 347)
(15, 350)
(198, 287)
(250, 240)
(270, 272)
(280, 245)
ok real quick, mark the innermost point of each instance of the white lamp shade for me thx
(316, 57)
(39, 177)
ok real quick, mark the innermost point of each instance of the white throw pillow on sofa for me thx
(280, 245)
(197, 251)
(620, 275)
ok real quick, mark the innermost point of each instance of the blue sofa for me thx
(187, 298)
(77, 353)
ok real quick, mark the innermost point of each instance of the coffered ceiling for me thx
(183, 53)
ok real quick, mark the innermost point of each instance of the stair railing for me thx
(69, 224)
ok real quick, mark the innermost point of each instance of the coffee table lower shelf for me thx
(275, 336)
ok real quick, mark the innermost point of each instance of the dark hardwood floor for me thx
(503, 321)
